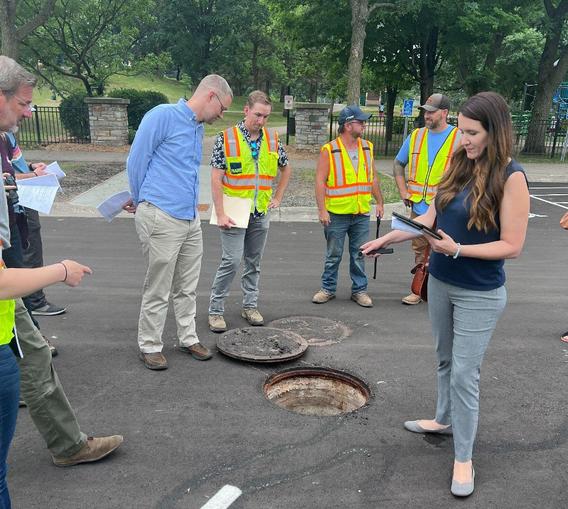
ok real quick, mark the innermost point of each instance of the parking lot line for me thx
(223, 498)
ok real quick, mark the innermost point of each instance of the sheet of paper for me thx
(55, 169)
(112, 206)
(238, 209)
(38, 193)
(397, 224)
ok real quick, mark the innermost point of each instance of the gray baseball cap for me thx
(436, 102)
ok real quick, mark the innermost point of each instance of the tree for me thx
(13, 31)
(360, 14)
(89, 40)
(552, 68)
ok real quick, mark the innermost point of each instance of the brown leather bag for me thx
(419, 284)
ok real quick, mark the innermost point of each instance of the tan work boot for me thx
(252, 316)
(94, 450)
(412, 299)
(197, 351)
(155, 360)
(217, 323)
(363, 299)
(322, 296)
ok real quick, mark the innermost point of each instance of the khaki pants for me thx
(42, 391)
(173, 250)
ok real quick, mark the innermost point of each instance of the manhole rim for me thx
(322, 372)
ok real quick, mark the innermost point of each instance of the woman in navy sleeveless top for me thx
(481, 211)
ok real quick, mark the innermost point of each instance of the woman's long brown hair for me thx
(485, 176)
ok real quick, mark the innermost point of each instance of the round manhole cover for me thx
(262, 344)
(317, 391)
(315, 330)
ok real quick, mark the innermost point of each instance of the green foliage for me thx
(75, 114)
(141, 101)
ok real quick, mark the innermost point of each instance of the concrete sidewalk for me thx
(85, 204)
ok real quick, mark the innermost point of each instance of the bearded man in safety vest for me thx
(345, 183)
(427, 152)
(245, 161)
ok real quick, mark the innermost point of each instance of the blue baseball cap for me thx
(352, 112)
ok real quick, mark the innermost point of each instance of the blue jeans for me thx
(246, 244)
(9, 398)
(356, 227)
(463, 322)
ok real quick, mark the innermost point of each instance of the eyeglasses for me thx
(254, 148)
(24, 104)
(223, 109)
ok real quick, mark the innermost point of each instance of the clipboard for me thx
(419, 227)
(238, 209)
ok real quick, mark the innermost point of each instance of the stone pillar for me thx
(108, 120)
(312, 125)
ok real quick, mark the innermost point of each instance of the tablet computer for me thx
(417, 226)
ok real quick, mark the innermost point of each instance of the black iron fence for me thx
(45, 127)
(555, 130)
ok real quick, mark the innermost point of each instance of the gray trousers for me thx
(246, 244)
(33, 255)
(463, 322)
(42, 391)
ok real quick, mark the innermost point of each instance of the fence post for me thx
(38, 130)
(557, 126)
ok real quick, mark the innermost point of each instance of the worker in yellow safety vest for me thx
(426, 153)
(345, 183)
(246, 159)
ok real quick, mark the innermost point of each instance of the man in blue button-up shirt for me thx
(163, 171)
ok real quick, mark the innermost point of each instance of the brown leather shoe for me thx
(322, 296)
(197, 351)
(94, 450)
(217, 323)
(155, 360)
(252, 316)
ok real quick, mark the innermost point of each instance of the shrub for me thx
(141, 101)
(75, 115)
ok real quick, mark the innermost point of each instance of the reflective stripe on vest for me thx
(245, 177)
(423, 178)
(348, 190)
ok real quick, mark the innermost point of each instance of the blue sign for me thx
(407, 107)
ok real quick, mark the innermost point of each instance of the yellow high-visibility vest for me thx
(423, 177)
(246, 177)
(348, 191)
(7, 317)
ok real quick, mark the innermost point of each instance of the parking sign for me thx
(407, 107)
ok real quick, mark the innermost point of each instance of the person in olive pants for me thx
(48, 405)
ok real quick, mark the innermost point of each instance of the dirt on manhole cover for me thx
(262, 344)
(315, 330)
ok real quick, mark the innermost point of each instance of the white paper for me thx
(397, 224)
(238, 209)
(112, 206)
(55, 169)
(38, 193)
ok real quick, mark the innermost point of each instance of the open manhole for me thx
(315, 330)
(317, 391)
(262, 344)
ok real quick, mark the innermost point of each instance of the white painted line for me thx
(552, 194)
(223, 498)
(549, 187)
(549, 202)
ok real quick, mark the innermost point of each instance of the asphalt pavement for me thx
(199, 426)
